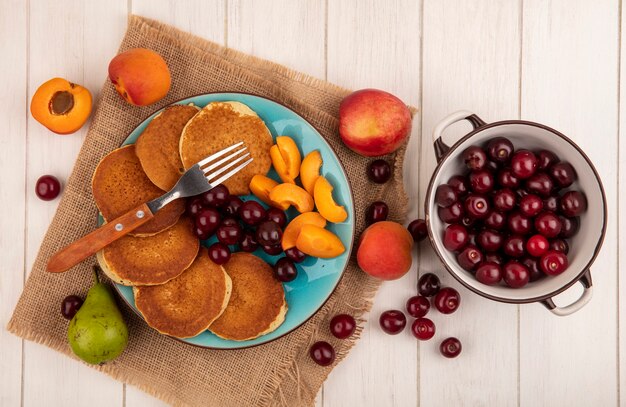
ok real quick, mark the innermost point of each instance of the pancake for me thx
(186, 305)
(158, 146)
(219, 125)
(257, 304)
(119, 184)
(151, 260)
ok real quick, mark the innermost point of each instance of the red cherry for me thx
(450, 347)
(428, 285)
(553, 263)
(455, 238)
(573, 203)
(496, 220)
(451, 214)
(277, 216)
(563, 174)
(481, 181)
(506, 179)
(342, 326)
(500, 149)
(392, 321)
(194, 205)
(285, 270)
(504, 200)
(477, 206)
(490, 240)
(216, 196)
(232, 205)
(459, 184)
(470, 257)
(47, 187)
(533, 268)
(447, 300)
(445, 195)
(475, 157)
(219, 253)
(530, 205)
(423, 329)
(417, 306)
(516, 275)
(523, 164)
(548, 224)
(418, 229)
(70, 305)
(322, 353)
(295, 255)
(537, 245)
(519, 224)
(560, 245)
(489, 273)
(545, 159)
(379, 171)
(514, 246)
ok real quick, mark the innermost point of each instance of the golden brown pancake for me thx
(151, 260)
(119, 184)
(158, 146)
(219, 125)
(257, 304)
(186, 305)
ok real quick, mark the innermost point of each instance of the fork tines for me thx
(217, 164)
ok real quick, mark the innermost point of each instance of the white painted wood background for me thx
(558, 62)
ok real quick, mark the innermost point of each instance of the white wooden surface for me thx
(557, 62)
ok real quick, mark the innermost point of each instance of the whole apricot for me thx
(62, 106)
(140, 76)
(385, 250)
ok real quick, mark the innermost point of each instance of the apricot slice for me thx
(319, 242)
(310, 170)
(291, 232)
(280, 165)
(286, 159)
(291, 155)
(260, 185)
(62, 106)
(323, 193)
(291, 194)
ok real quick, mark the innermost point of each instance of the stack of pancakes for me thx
(178, 289)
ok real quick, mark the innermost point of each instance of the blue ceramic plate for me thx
(317, 278)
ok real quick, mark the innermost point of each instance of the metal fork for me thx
(204, 175)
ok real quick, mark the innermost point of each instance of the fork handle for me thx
(90, 244)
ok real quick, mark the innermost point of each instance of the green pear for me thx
(98, 333)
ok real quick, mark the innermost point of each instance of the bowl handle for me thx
(442, 148)
(585, 280)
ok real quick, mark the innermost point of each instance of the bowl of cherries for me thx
(516, 211)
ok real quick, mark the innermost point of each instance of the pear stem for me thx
(95, 273)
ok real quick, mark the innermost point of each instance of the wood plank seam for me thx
(619, 192)
(26, 139)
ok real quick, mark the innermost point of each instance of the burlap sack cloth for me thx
(278, 373)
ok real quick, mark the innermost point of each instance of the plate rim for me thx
(353, 223)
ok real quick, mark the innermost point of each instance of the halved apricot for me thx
(291, 194)
(260, 185)
(291, 232)
(310, 170)
(319, 242)
(62, 106)
(280, 165)
(323, 193)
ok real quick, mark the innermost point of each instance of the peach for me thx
(62, 106)
(310, 170)
(326, 206)
(292, 231)
(373, 122)
(140, 76)
(290, 194)
(319, 242)
(260, 185)
(385, 250)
